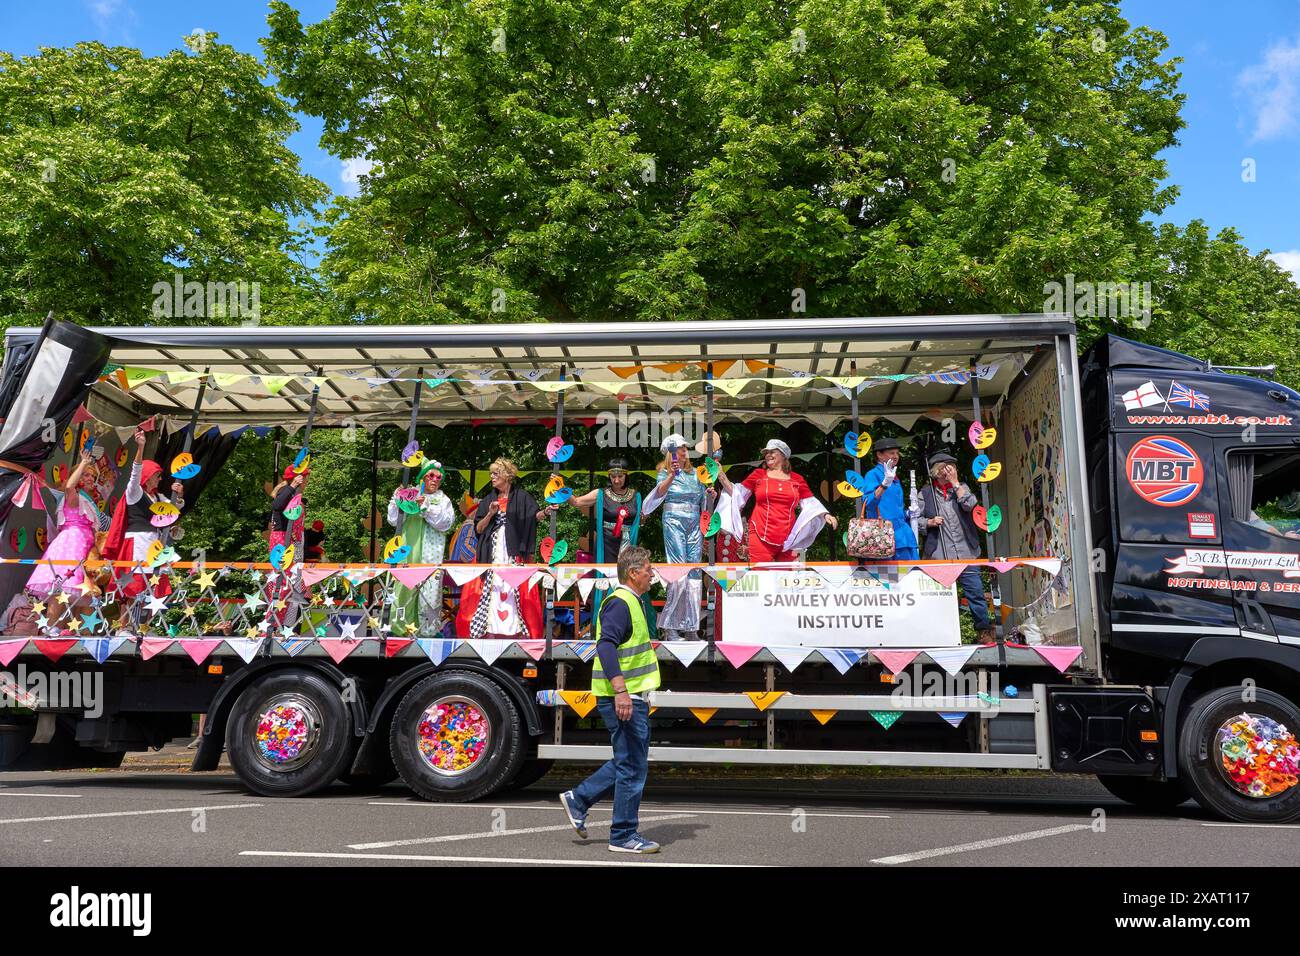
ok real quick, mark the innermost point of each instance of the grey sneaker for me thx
(636, 844)
(579, 820)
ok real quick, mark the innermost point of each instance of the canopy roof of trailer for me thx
(782, 369)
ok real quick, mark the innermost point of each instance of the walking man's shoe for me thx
(579, 820)
(636, 844)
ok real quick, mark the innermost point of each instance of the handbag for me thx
(870, 538)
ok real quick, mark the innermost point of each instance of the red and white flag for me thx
(1144, 396)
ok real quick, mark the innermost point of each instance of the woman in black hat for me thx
(883, 498)
(951, 534)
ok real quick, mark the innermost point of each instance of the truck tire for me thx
(1158, 796)
(456, 736)
(1215, 751)
(289, 734)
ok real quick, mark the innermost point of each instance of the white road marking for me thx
(64, 796)
(981, 844)
(127, 813)
(1266, 826)
(455, 837)
(558, 809)
(644, 861)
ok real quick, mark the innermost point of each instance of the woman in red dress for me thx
(776, 533)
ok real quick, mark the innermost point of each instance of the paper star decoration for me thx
(155, 604)
(348, 629)
(251, 632)
(264, 627)
(205, 580)
(92, 620)
(412, 628)
(253, 601)
(155, 579)
(189, 610)
(38, 607)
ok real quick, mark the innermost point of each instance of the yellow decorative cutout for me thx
(763, 699)
(582, 701)
(823, 715)
(702, 714)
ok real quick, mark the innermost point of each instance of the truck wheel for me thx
(1146, 794)
(1241, 760)
(456, 736)
(289, 734)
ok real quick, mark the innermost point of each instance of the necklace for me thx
(620, 498)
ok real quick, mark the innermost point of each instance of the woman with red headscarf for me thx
(132, 532)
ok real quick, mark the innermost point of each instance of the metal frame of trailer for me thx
(847, 346)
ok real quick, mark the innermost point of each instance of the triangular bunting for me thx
(54, 649)
(437, 649)
(514, 575)
(533, 648)
(731, 386)
(412, 577)
(489, 648)
(886, 718)
(338, 649)
(895, 661)
(200, 649)
(702, 714)
(582, 701)
(841, 658)
(462, 575)
(395, 645)
(763, 699)
(1060, 657)
(686, 652)
(311, 575)
(10, 649)
(1003, 566)
(151, 647)
(1051, 565)
(954, 718)
(293, 646)
(359, 576)
(952, 659)
(245, 647)
(823, 715)
(671, 574)
(100, 648)
(944, 574)
(738, 654)
(585, 650)
(790, 657)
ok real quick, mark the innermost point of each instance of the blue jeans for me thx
(972, 589)
(623, 775)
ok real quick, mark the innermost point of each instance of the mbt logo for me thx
(1164, 471)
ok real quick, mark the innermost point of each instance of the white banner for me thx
(800, 608)
(1196, 560)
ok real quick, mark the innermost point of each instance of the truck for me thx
(1137, 509)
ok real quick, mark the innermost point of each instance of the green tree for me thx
(117, 170)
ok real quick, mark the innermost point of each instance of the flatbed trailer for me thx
(1101, 665)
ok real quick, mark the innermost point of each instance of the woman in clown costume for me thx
(423, 514)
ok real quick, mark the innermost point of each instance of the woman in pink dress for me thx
(78, 521)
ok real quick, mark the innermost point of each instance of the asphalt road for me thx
(162, 817)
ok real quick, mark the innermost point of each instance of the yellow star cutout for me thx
(374, 622)
(86, 586)
(155, 580)
(75, 625)
(412, 628)
(250, 632)
(61, 598)
(206, 580)
(280, 605)
(38, 608)
(189, 611)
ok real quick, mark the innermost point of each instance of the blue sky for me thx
(1241, 74)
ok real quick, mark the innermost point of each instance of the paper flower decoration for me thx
(857, 444)
(982, 436)
(184, 467)
(557, 451)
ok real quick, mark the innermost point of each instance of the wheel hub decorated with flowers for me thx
(1258, 757)
(454, 734)
(286, 732)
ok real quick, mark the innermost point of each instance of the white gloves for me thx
(891, 472)
(913, 512)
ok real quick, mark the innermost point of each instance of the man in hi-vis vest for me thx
(624, 673)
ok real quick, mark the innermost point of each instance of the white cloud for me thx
(1289, 260)
(353, 170)
(1272, 90)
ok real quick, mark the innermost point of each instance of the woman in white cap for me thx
(682, 496)
(775, 532)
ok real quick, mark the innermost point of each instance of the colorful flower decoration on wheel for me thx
(453, 735)
(282, 733)
(1260, 757)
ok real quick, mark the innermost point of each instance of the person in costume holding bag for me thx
(505, 524)
(132, 533)
(423, 514)
(776, 533)
(683, 498)
(883, 499)
(947, 504)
